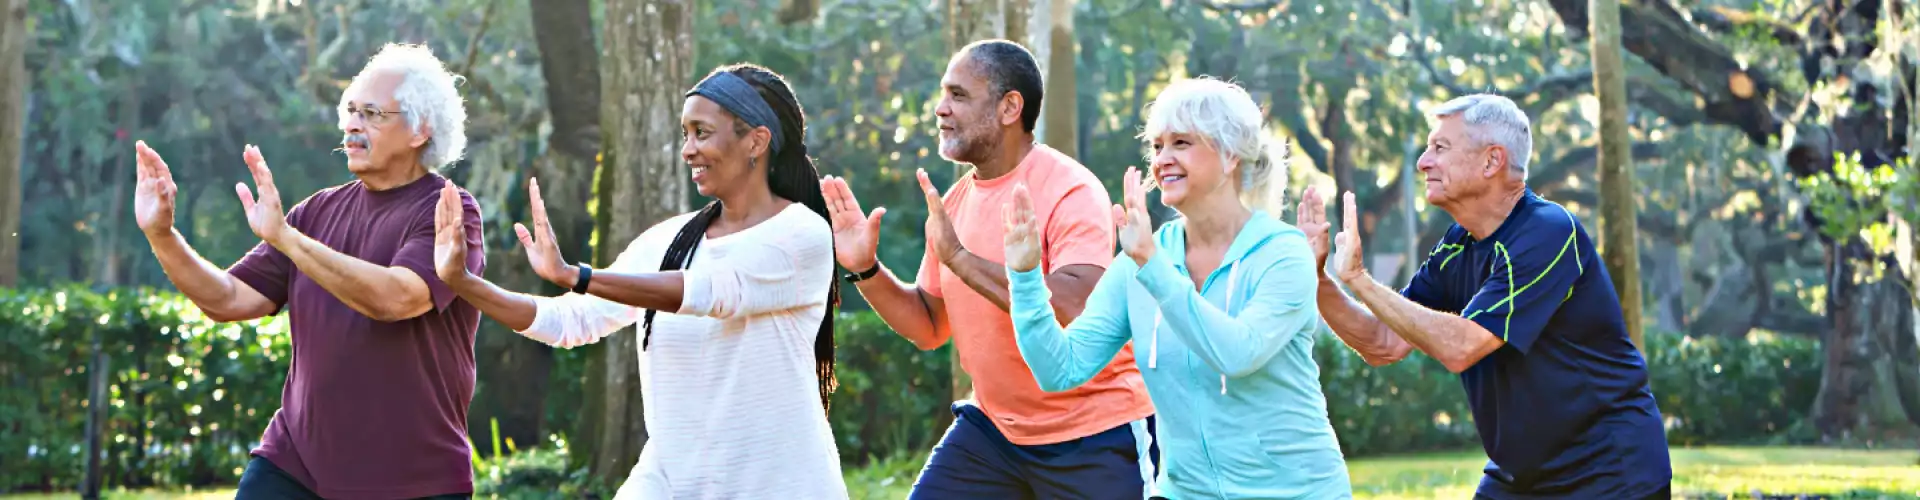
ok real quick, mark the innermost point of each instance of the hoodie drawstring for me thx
(1153, 342)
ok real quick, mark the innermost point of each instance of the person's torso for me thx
(1261, 435)
(1550, 418)
(372, 407)
(1003, 385)
(733, 406)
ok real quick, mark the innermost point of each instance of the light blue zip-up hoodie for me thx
(1230, 367)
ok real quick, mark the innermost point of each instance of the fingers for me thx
(526, 238)
(832, 197)
(873, 221)
(538, 206)
(933, 195)
(1119, 216)
(258, 166)
(141, 163)
(246, 196)
(1347, 218)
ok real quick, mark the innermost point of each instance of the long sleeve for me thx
(1062, 359)
(1281, 304)
(574, 320)
(763, 276)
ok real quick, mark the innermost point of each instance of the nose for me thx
(1427, 163)
(944, 109)
(686, 149)
(1163, 157)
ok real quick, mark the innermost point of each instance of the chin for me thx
(703, 189)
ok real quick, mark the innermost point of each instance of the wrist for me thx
(953, 255)
(284, 239)
(167, 234)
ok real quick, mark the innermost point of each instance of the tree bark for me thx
(13, 100)
(646, 64)
(1053, 44)
(1620, 243)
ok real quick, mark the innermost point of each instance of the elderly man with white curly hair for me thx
(375, 404)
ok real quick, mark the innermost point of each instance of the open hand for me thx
(264, 215)
(856, 235)
(1023, 233)
(941, 240)
(543, 249)
(450, 236)
(1135, 224)
(153, 192)
(1311, 218)
(1349, 268)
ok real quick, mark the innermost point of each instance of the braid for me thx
(679, 254)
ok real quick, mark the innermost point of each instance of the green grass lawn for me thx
(1718, 472)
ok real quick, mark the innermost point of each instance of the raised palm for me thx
(1023, 233)
(543, 249)
(449, 238)
(1312, 219)
(1136, 226)
(856, 234)
(153, 192)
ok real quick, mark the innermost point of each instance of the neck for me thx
(1006, 158)
(392, 178)
(1484, 215)
(1216, 222)
(749, 207)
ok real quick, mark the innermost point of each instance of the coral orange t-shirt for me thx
(1077, 220)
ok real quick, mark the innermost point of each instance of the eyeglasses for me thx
(369, 114)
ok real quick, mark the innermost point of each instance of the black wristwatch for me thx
(853, 277)
(580, 283)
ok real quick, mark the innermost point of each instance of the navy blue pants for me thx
(974, 460)
(264, 481)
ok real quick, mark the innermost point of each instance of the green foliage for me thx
(187, 398)
(893, 397)
(190, 397)
(1854, 200)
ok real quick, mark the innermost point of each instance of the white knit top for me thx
(731, 399)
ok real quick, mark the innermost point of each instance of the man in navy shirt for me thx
(1517, 302)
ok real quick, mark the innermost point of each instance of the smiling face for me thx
(719, 148)
(1188, 168)
(376, 137)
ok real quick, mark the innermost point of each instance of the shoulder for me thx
(1545, 223)
(664, 232)
(798, 223)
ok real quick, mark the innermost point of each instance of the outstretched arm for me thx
(1060, 359)
(218, 294)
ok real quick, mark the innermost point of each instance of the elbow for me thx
(1389, 356)
(222, 316)
(1456, 365)
(1241, 370)
(1052, 386)
(397, 311)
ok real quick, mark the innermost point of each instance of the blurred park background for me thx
(1764, 225)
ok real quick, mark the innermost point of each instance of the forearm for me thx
(659, 291)
(1060, 358)
(513, 309)
(381, 293)
(984, 276)
(1358, 328)
(1448, 338)
(901, 306)
(207, 285)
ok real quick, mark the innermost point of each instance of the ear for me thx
(420, 138)
(760, 139)
(1496, 162)
(1010, 107)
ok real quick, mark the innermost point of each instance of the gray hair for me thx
(1227, 118)
(426, 96)
(1493, 119)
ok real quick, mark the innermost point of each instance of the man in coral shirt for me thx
(1015, 441)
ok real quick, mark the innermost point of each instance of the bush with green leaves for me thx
(187, 397)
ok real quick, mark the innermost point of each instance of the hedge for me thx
(188, 397)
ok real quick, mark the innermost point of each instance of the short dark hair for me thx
(1009, 67)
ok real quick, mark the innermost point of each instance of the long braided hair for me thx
(790, 175)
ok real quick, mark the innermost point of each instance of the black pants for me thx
(1665, 493)
(264, 481)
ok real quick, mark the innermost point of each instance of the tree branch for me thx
(1722, 19)
(1553, 176)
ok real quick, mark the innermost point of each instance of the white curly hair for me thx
(426, 96)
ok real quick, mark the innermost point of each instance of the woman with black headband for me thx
(735, 301)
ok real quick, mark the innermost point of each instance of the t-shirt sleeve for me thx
(1532, 275)
(416, 252)
(1080, 231)
(265, 269)
(1425, 287)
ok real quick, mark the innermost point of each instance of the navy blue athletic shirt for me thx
(1563, 409)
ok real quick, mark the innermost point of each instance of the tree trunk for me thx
(1620, 243)
(647, 63)
(13, 96)
(1053, 44)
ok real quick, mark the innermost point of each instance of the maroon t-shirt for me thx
(372, 409)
